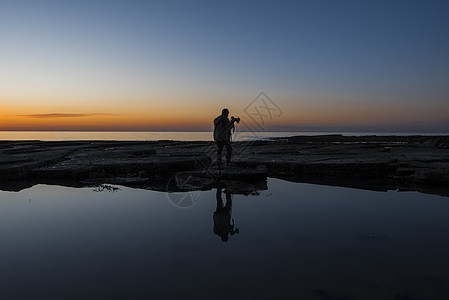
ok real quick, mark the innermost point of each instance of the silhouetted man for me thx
(222, 135)
(222, 217)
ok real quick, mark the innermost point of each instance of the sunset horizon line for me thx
(299, 129)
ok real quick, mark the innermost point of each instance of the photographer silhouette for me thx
(222, 135)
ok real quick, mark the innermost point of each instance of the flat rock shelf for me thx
(419, 163)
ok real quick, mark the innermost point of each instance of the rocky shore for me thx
(418, 163)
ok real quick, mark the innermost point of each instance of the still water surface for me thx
(297, 241)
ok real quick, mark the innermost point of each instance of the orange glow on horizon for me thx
(94, 122)
(196, 116)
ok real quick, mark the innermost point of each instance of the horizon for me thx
(336, 67)
(322, 131)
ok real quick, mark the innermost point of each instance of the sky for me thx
(173, 65)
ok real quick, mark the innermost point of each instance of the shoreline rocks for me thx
(391, 162)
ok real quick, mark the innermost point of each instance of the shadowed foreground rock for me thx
(370, 162)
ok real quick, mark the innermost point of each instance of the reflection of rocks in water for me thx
(106, 188)
(188, 181)
(191, 181)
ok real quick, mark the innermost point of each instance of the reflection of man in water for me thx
(222, 217)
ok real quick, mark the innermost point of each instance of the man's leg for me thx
(228, 146)
(219, 150)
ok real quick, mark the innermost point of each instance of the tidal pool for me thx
(292, 241)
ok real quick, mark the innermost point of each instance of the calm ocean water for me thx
(294, 241)
(155, 135)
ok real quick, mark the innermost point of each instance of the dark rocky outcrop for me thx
(369, 162)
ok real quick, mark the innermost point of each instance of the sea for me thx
(169, 135)
(289, 240)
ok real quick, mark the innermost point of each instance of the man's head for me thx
(225, 112)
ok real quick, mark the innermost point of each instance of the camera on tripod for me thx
(235, 119)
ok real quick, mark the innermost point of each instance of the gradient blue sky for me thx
(172, 65)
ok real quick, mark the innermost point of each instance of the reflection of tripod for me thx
(222, 217)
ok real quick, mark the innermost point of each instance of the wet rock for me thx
(238, 187)
(106, 188)
(387, 161)
(190, 181)
(436, 143)
(431, 176)
(127, 181)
